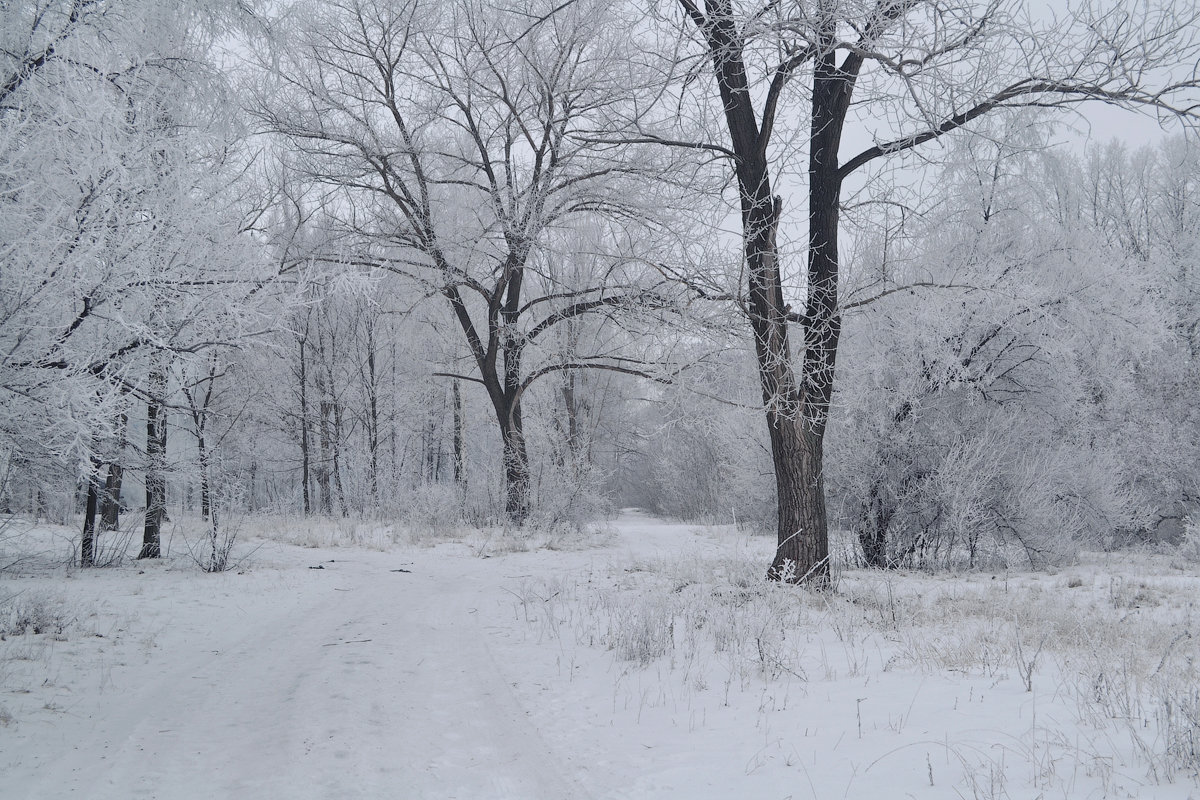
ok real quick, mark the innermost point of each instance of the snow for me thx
(434, 672)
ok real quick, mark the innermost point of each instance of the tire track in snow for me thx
(374, 684)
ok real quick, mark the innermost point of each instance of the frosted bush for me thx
(33, 613)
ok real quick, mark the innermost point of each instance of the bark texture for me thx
(156, 451)
(795, 409)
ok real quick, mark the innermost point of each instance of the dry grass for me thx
(1114, 636)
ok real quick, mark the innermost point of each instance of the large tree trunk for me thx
(802, 550)
(799, 453)
(516, 464)
(796, 438)
(156, 451)
(796, 412)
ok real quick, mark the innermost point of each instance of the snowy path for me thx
(518, 677)
(366, 683)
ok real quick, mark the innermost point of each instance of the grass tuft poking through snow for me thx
(1100, 665)
(33, 612)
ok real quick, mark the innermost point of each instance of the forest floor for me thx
(650, 661)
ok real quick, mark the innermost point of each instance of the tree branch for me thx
(456, 376)
(584, 307)
(1068, 94)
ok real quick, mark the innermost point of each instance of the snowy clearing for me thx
(654, 663)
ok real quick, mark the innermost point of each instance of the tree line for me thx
(516, 262)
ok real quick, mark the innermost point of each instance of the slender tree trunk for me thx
(205, 497)
(156, 450)
(324, 433)
(110, 500)
(252, 496)
(87, 545)
(372, 416)
(337, 457)
(325, 437)
(460, 465)
(305, 458)
(430, 445)
(571, 407)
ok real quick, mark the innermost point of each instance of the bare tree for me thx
(905, 73)
(115, 145)
(449, 129)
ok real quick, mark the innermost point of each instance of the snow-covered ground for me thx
(652, 662)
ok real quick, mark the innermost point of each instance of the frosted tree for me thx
(121, 231)
(450, 130)
(902, 74)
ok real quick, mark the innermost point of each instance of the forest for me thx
(514, 266)
(872, 285)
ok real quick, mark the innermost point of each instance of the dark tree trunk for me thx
(460, 465)
(325, 443)
(205, 498)
(110, 500)
(372, 416)
(877, 509)
(87, 545)
(516, 465)
(499, 363)
(873, 527)
(431, 443)
(796, 412)
(804, 525)
(305, 459)
(571, 408)
(337, 456)
(324, 434)
(252, 496)
(156, 450)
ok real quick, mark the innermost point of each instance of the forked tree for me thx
(903, 73)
